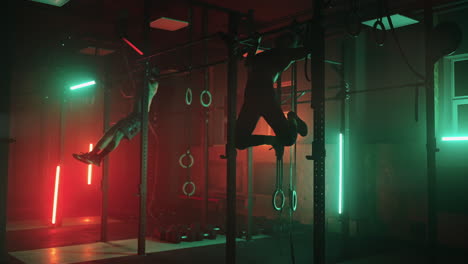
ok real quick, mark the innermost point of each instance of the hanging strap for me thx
(278, 196)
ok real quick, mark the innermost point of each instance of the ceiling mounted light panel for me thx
(58, 3)
(169, 24)
(397, 21)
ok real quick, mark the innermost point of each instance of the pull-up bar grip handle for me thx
(379, 34)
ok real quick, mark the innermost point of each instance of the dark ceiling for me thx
(41, 26)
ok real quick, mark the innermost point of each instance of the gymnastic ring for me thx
(188, 96)
(209, 98)
(184, 188)
(275, 206)
(181, 160)
(380, 40)
(294, 200)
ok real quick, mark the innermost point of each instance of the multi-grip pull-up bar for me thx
(230, 39)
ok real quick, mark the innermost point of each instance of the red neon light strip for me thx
(90, 167)
(56, 189)
(133, 46)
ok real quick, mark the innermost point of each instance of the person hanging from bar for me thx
(126, 128)
(260, 100)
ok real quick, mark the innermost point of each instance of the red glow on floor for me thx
(90, 167)
(56, 190)
(86, 220)
(133, 46)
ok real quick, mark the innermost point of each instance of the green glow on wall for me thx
(454, 138)
(340, 176)
(82, 85)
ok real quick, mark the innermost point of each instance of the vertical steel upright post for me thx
(249, 193)
(231, 153)
(144, 136)
(431, 138)
(250, 161)
(5, 79)
(105, 167)
(207, 115)
(318, 145)
(293, 149)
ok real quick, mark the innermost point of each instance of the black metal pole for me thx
(144, 136)
(5, 132)
(105, 168)
(292, 149)
(207, 115)
(180, 46)
(217, 8)
(318, 145)
(431, 139)
(231, 152)
(250, 204)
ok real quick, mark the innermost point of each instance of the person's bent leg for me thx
(92, 157)
(110, 146)
(107, 138)
(301, 126)
(285, 129)
(245, 125)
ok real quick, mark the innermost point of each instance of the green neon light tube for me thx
(82, 85)
(340, 175)
(454, 138)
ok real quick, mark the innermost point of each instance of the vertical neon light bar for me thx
(340, 175)
(90, 168)
(56, 190)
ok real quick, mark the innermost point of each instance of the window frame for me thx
(455, 101)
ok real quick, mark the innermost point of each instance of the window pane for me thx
(461, 78)
(463, 118)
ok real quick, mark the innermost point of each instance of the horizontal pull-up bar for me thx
(189, 69)
(217, 8)
(180, 46)
(278, 30)
(388, 88)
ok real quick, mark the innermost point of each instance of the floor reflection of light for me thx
(53, 258)
(88, 251)
(87, 220)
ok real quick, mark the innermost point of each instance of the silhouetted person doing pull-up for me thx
(260, 100)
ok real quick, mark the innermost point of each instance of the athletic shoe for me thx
(87, 158)
(301, 125)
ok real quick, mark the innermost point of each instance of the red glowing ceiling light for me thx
(133, 46)
(56, 190)
(168, 24)
(257, 52)
(90, 168)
